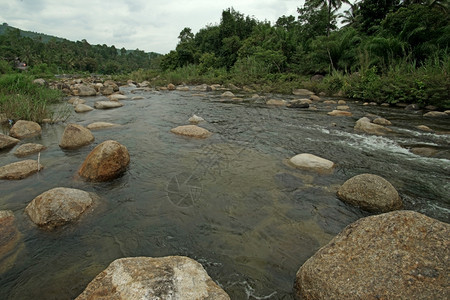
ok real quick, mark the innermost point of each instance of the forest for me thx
(378, 50)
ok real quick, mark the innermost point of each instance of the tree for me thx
(330, 5)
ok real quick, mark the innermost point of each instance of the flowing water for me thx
(230, 201)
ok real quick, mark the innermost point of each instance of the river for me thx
(230, 201)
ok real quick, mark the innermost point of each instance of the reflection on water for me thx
(229, 201)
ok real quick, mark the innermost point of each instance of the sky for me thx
(149, 25)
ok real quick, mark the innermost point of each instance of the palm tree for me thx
(349, 16)
(331, 5)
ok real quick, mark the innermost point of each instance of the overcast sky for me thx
(150, 25)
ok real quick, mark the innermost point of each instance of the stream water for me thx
(230, 201)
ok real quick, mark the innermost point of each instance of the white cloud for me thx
(148, 25)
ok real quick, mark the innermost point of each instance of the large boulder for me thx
(23, 129)
(7, 141)
(366, 126)
(9, 240)
(172, 277)
(58, 206)
(192, 131)
(311, 162)
(106, 161)
(397, 255)
(107, 104)
(20, 170)
(75, 136)
(370, 192)
(28, 149)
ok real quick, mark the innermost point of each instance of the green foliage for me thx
(21, 99)
(5, 67)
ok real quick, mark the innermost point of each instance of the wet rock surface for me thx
(105, 162)
(396, 255)
(24, 129)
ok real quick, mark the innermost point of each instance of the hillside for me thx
(45, 38)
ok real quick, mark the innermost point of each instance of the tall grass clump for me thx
(21, 99)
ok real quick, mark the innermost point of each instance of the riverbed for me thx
(231, 201)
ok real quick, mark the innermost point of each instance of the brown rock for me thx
(7, 141)
(192, 131)
(117, 97)
(58, 206)
(106, 161)
(311, 162)
(23, 129)
(370, 192)
(106, 90)
(397, 255)
(85, 90)
(172, 277)
(171, 87)
(20, 169)
(28, 149)
(75, 136)
(228, 94)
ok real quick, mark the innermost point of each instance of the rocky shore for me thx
(394, 254)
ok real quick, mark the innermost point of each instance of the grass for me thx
(21, 99)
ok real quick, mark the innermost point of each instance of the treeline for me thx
(377, 40)
(58, 56)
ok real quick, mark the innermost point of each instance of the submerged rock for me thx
(9, 240)
(299, 103)
(28, 149)
(20, 169)
(192, 131)
(396, 255)
(75, 136)
(424, 128)
(312, 162)
(23, 129)
(172, 277)
(370, 192)
(105, 162)
(7, 141)
(58, 206)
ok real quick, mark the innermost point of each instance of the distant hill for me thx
(45, 38)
